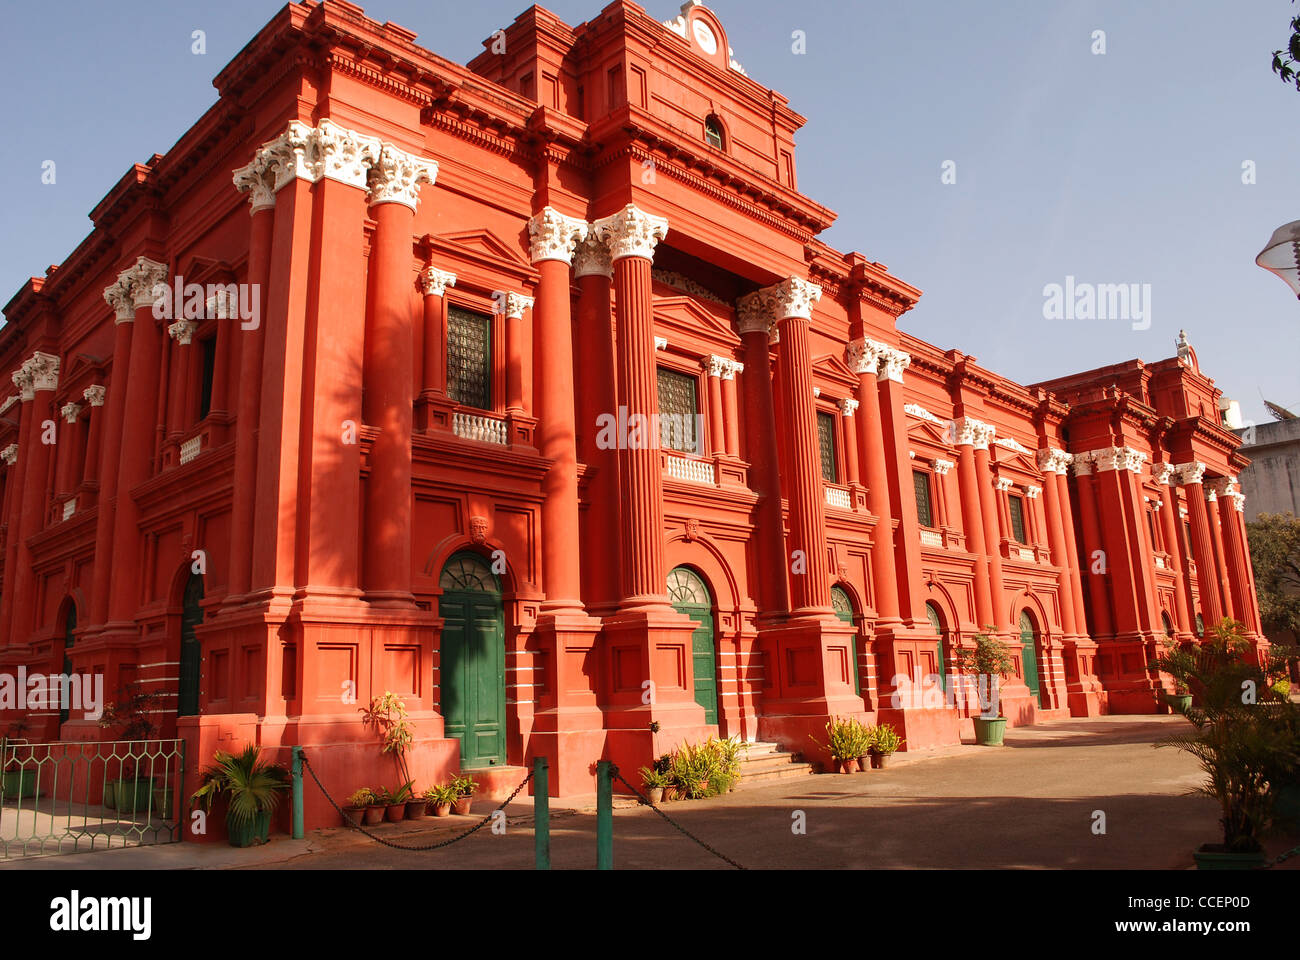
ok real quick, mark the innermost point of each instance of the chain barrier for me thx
(428, 846)
(673, 823)
(1293, 852)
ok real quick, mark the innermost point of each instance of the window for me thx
(1016, 505)
(924, 509)
(1200, 625)
(713, 132)
(678, 412)
(469, 358)
(826, 446)
(1151, 526)
(208, 357)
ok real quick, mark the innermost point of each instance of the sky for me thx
(982, 150)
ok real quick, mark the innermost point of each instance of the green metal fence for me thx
(76, 797)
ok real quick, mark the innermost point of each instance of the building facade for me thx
(526, 390)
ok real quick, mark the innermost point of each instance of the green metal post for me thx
(541, 814)
(298, 831)
(604, 815)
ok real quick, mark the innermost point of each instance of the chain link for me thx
(644, 802)
(397, 846)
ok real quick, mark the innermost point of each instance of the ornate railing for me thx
(474, 426)
(692, 471)
(191, 448)
(838, 497)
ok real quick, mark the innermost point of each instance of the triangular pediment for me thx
(833, 367)
(485, 242)
(928, 432)
(710, 320)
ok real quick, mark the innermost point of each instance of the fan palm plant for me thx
(253, 786)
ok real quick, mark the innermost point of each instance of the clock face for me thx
(704, 37)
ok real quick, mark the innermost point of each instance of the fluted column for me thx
(1093, 547)
(94, 396)
(36, 380)
(257, 181)
(790, 304)
(730, 407)
(970, 434)
(863, 358)
(848, 406)
(991, 513)
(713, 367)
(433, 287)
(1163, 474)
(1129, 569)
(632, 236)
(515, 305)
(1235, 575)
(138, 429)
(765, 459)
(1053, 462)
(911, 586)
(1207, 571)
(394, 181)
(554, 237)
(68, 475)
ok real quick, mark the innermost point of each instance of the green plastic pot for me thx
(1213, 857)
(989, 733)
(131, 795)
(1178, 702)
(19, 784)
(257, 830)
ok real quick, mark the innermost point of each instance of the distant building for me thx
(1272, 481)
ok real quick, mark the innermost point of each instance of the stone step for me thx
(776, 761)
(791, 772)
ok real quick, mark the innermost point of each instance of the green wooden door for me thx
(843, 605)
(932, 614)
(690, 595)
(187, 701)
(1029, 655)
(473, 660)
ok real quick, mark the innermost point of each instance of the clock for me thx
(704, 37)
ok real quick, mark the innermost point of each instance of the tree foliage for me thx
(1286, 63)
(1275, 555)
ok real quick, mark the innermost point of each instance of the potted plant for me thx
(989, 658)
(729, 763)
(843, 739)
(387, 714)
(1247, 747)
(376, 808)
(1179, 662)
(416, 805)
(465, 787)
(442, 798)
(654, 783)
(130, 718)
(885, 741)
(253, 789)
(19, 778)
(354, 812)
(868, 738)
(664, 766)
(394, 802)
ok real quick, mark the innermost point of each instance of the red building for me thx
(528, 392)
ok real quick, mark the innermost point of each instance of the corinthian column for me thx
(394, 181)
(863, 358)
(632, 236)
(1207, 571)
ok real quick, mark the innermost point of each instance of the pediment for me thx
(833, 367)
(709, 320)
(485, 251)
(486, 243)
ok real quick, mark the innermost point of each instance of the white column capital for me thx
(848, 406)
(70, 411)
(1082, 463)
(1118, 458)
(434, 282)
(257, 179)
(1054, 460)
(754, 315)
(1002, 484)
(631, 233)
(1163, 473)
(40, 371)
(661, 343)
(94, 395)
(1032, 492)
(394, 176)
(134, 288)
(967, 431)
(591, 257)
(553, 236)
(713, 365)
(182, 331)
(863, 355)
(941, 467)
(1191, 472)
(1223, 486)
(10, 454)
(516, 304)
(893, 363)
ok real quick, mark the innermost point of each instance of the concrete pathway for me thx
(1039, 802)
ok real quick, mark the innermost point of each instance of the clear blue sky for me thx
(1122, 168)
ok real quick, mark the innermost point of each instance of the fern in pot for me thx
(990, 659)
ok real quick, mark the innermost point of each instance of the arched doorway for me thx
(690, 595)
(472, 669)
(843, 606)
(69, 625)
(187, 699)
(1029, 655)
(1167, 624)
(936, 623)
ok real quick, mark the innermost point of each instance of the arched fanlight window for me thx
(685, 588)
(713, 132)
(468, 571)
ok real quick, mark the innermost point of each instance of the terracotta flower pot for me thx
(880, 760)
(655, 795)
(670, 793)
(352, 816)
(374, 814)
(441, 809)
(415, 809)
(462, 806)
(847, 766)
(864, 762)
(393, 812)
